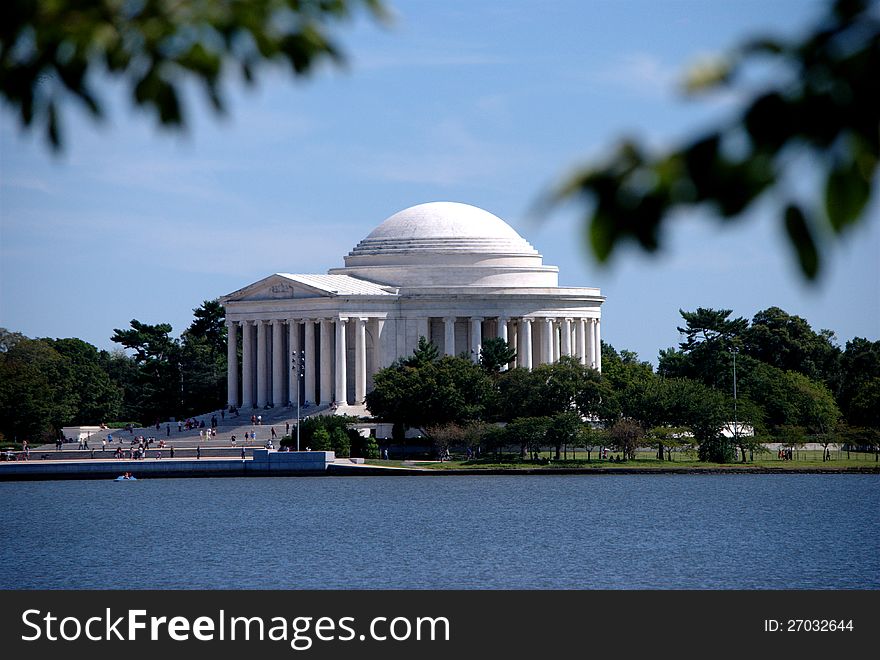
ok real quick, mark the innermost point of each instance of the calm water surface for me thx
(531, 532)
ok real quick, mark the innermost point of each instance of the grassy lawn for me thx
(803, 459)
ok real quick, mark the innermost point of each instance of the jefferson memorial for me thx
(452, 273)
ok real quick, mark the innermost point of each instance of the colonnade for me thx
(313, 350)
(318, 347)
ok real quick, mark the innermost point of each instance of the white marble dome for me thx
(444, 226)
(447, 244)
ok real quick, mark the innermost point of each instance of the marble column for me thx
(556, 342)
(232, 363)
(513, 340)
(360, 361)
(292, 359)
(476, 337)
(566, 337)
(247, 364)
(598, 346)
(581, 340)
(449, 335)
(278, 370)
(547, 341)
(501, 333)
(341, 379)
(378, 354)
(591, 344)
(262, 366)
(423, 329)
(326, 361)
(526, 343)
(310, 361)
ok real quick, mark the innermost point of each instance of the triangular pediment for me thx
(276, 287)
(286, 286)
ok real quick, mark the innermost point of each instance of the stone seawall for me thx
(265, 462)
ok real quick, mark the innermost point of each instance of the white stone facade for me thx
(449, 272)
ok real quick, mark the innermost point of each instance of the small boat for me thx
(125, 477)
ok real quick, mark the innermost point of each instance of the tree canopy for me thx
(51, 50)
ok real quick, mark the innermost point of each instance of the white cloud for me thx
(639, 73)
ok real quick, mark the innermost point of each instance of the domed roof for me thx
(441, 227)
(443, 244)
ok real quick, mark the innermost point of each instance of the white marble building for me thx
(450, 272)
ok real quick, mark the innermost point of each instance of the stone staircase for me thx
(186, 441)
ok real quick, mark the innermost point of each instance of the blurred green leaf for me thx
(846, 194)
(802, 240)
(176, 41)
(823, 107)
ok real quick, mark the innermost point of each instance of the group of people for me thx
(139, 452)
(190, 423)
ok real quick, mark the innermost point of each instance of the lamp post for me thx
(298, 367)
(735, 422)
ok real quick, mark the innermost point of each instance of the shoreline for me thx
(226, 467)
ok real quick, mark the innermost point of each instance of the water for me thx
(529, 532)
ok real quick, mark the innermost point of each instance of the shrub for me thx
(340, 442)
(320, 440)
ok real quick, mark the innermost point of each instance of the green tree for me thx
(822, 106)
(340, 442)
(444, 437)
(50, 51)
(860, 366)
(320, 440)
(203, 359)
(789, 343)
(710, 335)
(864, 406)
(420, 393)
(425, 353)
(530, 433)
(330, 423)
(370, 448)
(666, 439)
(158, 357)
(621, 369)
(591, 439)
(517, 394)
(95, 397)
(495, 354)
(549, 389)
(124, 372)
(626, 435)
(37, 391)
(563, 430)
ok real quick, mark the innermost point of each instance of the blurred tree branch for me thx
(49, 49)
(825, 102)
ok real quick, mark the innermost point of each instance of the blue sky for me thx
(488, 103)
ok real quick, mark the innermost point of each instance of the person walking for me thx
(198, 452)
